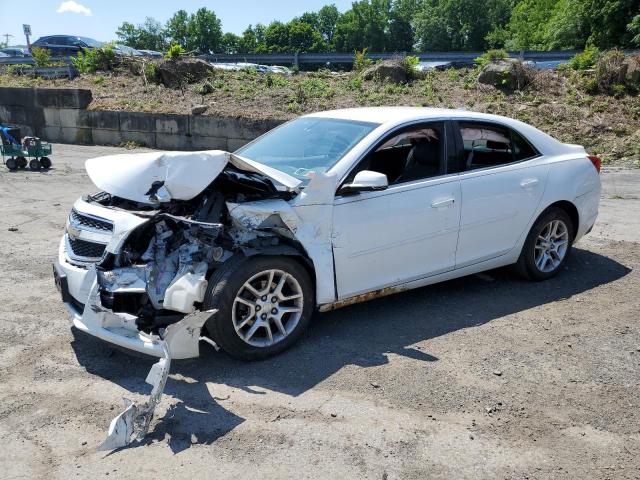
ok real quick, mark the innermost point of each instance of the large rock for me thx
(391, 70)
(174, 73)
(509, 74)
(630, 71)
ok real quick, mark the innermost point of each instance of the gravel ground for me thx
(482, 377)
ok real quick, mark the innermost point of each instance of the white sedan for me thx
(239, 249)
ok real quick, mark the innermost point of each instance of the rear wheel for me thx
(11, 163)
(22, 162)
(45, 162)
(547, 246)
(34, 164)
(264, 304)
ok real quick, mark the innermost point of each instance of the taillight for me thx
(596, 162)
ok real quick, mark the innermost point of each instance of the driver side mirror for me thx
(366, 181)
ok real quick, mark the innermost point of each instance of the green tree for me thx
(304, 38)
(527, 27)
(634, 29)
(458, 24)
(328, 17)
(276, 37)
(230, 43)
(204, 32)
(568, 27)
(608, 21)
(148, 36)
(177, 28)
(364, 26)
(400, 29)
(128, 34)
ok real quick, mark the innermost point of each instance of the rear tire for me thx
(547, 246)
(34, 164)
(254, 326)
(12, 164)
(22, 162)
(45, 162)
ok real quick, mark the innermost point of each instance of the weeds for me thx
(175, 52)
(41, 56)
(584, 60)
(492, 56)
(93, 59)
(361, 61)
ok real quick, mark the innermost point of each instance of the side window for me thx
(410, 154)
(522, 150)
(486, 145)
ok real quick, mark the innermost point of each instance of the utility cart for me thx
(17, 154)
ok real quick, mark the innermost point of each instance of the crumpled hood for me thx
(172, 175)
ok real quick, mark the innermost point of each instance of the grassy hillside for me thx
(556, 102)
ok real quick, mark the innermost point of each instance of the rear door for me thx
(502, 179)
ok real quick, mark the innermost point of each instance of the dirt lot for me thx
(483, 377)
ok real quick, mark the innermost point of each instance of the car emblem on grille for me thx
(73, 231)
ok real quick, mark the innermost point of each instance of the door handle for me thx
(529, 183)
(443, 203)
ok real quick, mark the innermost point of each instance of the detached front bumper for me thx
(118, 328)
(91, 317)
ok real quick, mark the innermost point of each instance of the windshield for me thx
(306, 146)
(90, 42)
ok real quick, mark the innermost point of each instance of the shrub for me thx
(411, 66)
(609, 72)
(41, 56)
(150, 71)
(206, 88)
(361, 61)
(492, 56)
(93, 59)
(275, 80)
(584, 60)
(175, 51)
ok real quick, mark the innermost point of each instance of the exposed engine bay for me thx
(160, 273)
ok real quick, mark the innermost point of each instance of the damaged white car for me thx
(239, 249)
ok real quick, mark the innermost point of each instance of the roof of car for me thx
(401, 114)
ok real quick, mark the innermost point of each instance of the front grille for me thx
(82, 248)
(91, 222)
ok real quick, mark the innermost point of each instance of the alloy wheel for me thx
(267, 308)
(551, 246)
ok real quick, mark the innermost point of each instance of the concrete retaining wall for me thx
(61, 116)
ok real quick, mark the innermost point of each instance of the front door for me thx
(409, 230)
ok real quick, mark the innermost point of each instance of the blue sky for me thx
(99, 19)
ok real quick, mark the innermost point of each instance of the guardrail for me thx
(347, 58)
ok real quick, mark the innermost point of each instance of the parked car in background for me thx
(325, 211)
(4, 55)
(151, 53)
(16, 52)
(280, 69)
(126, 50)
(65, 45)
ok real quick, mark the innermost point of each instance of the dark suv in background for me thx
(62, 45)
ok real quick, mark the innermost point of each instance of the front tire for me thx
(264, 305)
(547, 246)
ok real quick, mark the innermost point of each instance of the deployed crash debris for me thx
(133, 423)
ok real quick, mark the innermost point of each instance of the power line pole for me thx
(6, 37)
